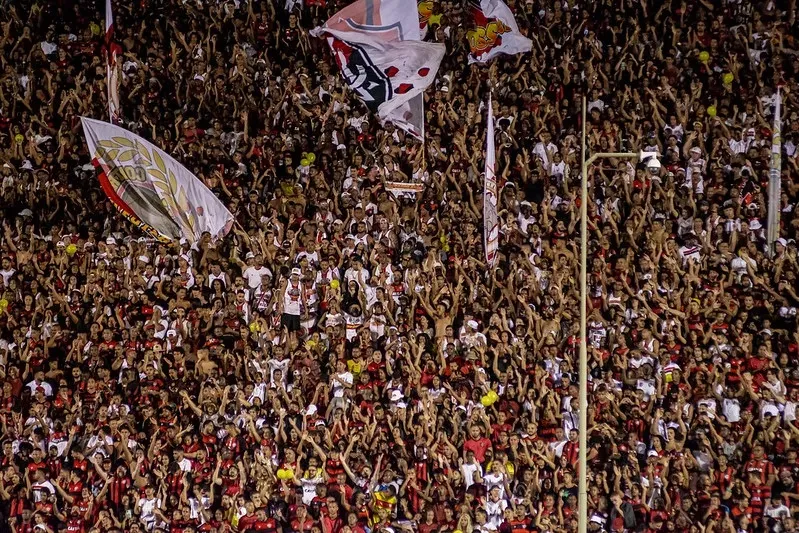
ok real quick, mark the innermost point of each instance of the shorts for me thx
(291, 322)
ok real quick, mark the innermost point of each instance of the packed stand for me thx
(345, 361)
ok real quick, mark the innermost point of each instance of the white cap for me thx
(144, 259)
(183, 240)
(110, 240)
(396, 395)
(171, 332)
(782, 241)
(311, 410)
(249, 255)
(472, 324)
(296, 271)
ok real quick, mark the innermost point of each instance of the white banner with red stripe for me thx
(490, 225)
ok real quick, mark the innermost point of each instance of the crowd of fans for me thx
(344, 361)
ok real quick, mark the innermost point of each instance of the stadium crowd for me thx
(344, 361)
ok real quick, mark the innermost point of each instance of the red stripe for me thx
(112, 48)
(110, 192)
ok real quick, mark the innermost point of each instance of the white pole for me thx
(775, 179)
(582, 518)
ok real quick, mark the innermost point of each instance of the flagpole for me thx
(582, 465)
(775, 179)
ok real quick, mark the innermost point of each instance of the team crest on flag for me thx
(494, 32)
(361, 74)
(377, 45)
(150, 188)
(425, 8)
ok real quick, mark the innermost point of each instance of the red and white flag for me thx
(377, 45)
(112, 69)
(151, 189)
(490, 225)
(495, 31)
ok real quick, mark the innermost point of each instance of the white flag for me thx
(495, 31)
(112, 69)
(490, 226)
(150, 188)
(372, 43)
(775, 176)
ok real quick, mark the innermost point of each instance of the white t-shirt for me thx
(309, 488)
(352, 275)
(253, 275)
(7, 275)
(340, 381)
(292, 299)
(494, 513)
(492, 480)
(42, 491)
(148, 507)
(468, 471)
(48, 390)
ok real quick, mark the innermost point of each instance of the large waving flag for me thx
(490, 226)
(112, 69)
(150, 188)
(377, 44)
(495, 31)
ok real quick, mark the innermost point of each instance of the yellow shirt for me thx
(355, 367)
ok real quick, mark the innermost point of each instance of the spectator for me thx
(345, 361)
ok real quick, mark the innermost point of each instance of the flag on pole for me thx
(112, 69)
(377, 45)
(495, 31)
(490, 226)
(425, 8)
(775, 176)
(150, 188)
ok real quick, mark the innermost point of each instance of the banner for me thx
(490, 226)
(150, 188)
(368, 39)
(112, 69)
(775, 176)
(399, 188)
(495, 31)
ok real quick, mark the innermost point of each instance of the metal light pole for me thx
(582, 487)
